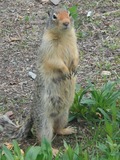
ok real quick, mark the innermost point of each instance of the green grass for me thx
(91, 100)
(113, 45)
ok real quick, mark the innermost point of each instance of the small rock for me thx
(32, 75)
(55, 2)
(89, 14)
(1, 128)
(10, 114)
(105, 73)
(45, 1)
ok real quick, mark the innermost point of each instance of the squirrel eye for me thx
(54, 16)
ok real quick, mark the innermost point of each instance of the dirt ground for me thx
(22, 24)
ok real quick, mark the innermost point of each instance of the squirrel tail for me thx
(9, 129)
(24, 130)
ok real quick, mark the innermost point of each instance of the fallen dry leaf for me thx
(9, 145)
(22, 152)
(12, 39)
(10, 114)
(106, 73)
(99, 115)
(20, 17)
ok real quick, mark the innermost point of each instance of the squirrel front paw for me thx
(65, 70)
(74, 65)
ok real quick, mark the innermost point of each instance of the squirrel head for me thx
(59, 20)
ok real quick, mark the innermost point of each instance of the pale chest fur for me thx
(62, 47)
(67, 51)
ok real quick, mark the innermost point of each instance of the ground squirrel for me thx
(55, 82)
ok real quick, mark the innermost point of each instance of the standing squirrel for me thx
(55, 82)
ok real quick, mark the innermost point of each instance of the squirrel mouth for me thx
(66, 27)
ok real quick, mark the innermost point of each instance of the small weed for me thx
(83, 34)
(117, 59)
(88, 101)
(27, 19)
(104, 65)
(110, 150)
(43, 152)
(73, 12)
(111, 45)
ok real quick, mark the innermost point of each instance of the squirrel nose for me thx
(66, 24)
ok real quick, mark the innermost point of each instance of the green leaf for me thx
(71, 117)
(70, 153)
(85, 155)
(16, 148)
(73, 11)
(32, 153)
(3, 157)
(40, 157)
(65, 145)
(102, 147)
(46, 148)
(109, 128)
(76, 152)
(88, 102)
(8, 153)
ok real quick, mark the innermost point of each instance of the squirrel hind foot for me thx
(67, 131)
